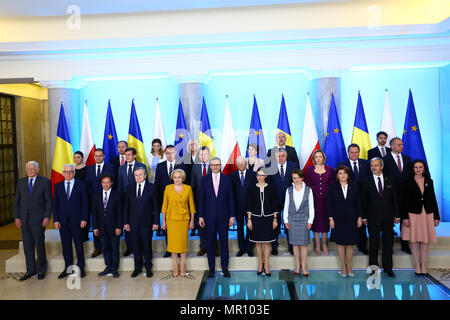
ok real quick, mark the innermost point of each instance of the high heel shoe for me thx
(260, 272)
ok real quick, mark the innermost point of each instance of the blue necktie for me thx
(170, 171)
(139, 193)
(282, 172)
(98, 171)
(242, 179)
(380, 187)
(130, 173)
(30, 187)
(105, 201)
(355, 171)
(68, 190)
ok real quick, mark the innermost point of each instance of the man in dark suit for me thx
(32, 211)
(216, 214)
(124, 179)
(120, 159)
(280, 175)
(359, 171)
(70, 215)
(380, 211)
(93, 174)
(399, 166)
(381, 150)
(242, 179)
(191, 157)
(140, 219)
(281, 143)
(107, 223)
(163, 178)
(197, 173)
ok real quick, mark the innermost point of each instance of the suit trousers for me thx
(201, 232)
(110, 246)
(241, 221)
(387, 241)
(141, 240)
(86, 230)
(69, 232)
(127, 237)
(362, 244)
(212, 228)
(34, 239)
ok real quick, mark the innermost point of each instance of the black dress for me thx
(262, 206)
(81, 173)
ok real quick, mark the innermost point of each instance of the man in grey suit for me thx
(32, 210)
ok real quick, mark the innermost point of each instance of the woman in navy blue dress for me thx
(344, 213)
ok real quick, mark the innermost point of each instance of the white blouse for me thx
(344, 190)
(298, 197)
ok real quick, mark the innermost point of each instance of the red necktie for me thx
(121, 161)
(399, 163)
(204, 169)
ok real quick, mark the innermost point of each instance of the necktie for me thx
(399, 163)
(130, 172)
(139, 192)
(216, 184)
(380, 187)
(204, 169)
(170, 171)
(68, 190)
(355, 170)
(30, 187)
(242, 179)
(282, 172)
(383, 152)
(122, 161)
(105, 201)
(99, 170)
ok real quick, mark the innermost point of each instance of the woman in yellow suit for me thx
(178, 212)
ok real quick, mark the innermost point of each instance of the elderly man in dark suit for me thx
(107, 223)
(140, 219)
(281, 143)
(359, 171)
(242, 179)
(70, 215)
(216, 214)
(32, 211)
(399, 166)
(380, 211)
(381, 150)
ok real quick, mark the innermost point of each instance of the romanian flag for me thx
(283, 123)
(110, 139)
(135, 137)
(63, 150)
(334, 142)
(360, 131)
(256, 134)
(205, 137)
(412, 140)
(181, 134)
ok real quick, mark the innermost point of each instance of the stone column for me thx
(191, 95)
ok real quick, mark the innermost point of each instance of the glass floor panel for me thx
(320, 285)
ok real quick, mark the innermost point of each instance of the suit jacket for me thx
(216, 209)
(106, 221)
(75, 209)
(364, 169)
(34, 208)
(259, 163)
(416, 199)
(122, 178)
(196, 181)
(376, 208)
(240, 192)
(162, 180)
(344, 209)
(140, 213)
(93, 182)
(375, 152)
(115, 161)
(282, 185)
(189, 164)
(291, 155)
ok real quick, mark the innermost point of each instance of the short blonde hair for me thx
(180, 171)
(314, 154)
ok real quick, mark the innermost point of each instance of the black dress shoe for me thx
(135, 273)
(149, 273)
(167, 254)
(390, 273)
(62, 275)
(201, 252)
(407, 250)
(82, 273)
(250, 253)
(27, 276)
(96, 253)
(41, 276)
(240, 253)
(158, 233)
(211, 273)
(275, 251)
(103, 273)
(226, 273)
(267, 274)
(127, 253)
(115, 274)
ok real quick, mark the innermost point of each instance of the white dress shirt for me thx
(395, 159)
(284, 168)
(382, 147)
(375, 178)
(168, 167)
(72, 183)
(107, 194)
(142, 188)
(344, 190)
(298, 198)
(101, 167)
(352, 164)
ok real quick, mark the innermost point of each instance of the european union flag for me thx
(110, 140)
(181, 134)
(334, 142)
(412, 141)
(255, 134)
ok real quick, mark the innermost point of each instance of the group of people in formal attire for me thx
(174, 197)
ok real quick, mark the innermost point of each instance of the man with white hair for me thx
(70, 215)
(32, 211)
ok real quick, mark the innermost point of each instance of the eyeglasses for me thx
(68, 171)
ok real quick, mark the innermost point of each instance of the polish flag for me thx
(87, 145)
(229, 146)
(310, 141)
(387, 123)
